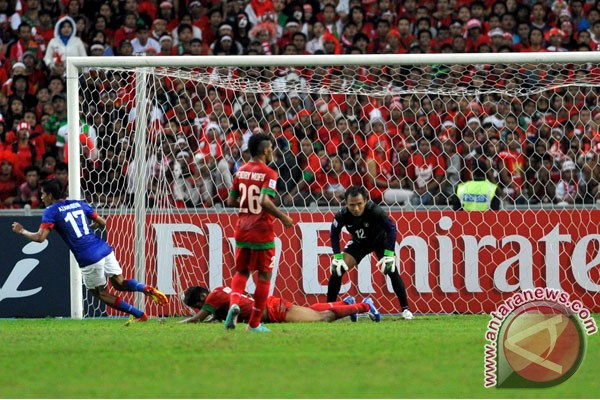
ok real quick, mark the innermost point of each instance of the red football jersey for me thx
(217, 303)
(254, 227)
(514, 162)
(422, 169)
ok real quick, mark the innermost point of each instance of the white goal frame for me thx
(76, 64)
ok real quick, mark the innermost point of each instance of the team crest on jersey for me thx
(366, 224)
(272, 183)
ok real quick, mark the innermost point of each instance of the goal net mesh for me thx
(409, 133)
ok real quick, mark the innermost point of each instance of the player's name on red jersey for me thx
(254, 229)
(255, 176)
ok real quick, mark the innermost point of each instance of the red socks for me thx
(260, 301)
(341, 309)
(238, 286)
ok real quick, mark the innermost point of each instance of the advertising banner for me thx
(34, 277)
(451, 262)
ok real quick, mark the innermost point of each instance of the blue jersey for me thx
(70, 218)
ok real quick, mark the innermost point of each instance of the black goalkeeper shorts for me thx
(360, 250)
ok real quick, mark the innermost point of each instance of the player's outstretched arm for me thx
(198, 317)
(99, 222)
(267, 204)
(38, 236)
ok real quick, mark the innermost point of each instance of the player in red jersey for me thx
(216, 303)
(253, 187)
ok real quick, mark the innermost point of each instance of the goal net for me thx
(169, 133)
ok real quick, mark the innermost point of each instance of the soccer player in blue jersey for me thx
(96, 259)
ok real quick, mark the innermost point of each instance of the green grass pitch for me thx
(431, 356)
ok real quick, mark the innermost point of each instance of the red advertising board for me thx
(450, 261)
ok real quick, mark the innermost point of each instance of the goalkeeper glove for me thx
(387, 264)
(338, 265)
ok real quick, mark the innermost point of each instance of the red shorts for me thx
(254, 260)
(277, 309)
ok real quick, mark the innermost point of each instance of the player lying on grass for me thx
(96, 259)
(216, 303)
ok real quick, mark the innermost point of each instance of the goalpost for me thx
(168, 132)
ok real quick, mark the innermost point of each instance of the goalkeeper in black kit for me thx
(372, 230)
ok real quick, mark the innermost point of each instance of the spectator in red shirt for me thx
(408, 9)
(474, 37)
(554, 39)
(291, 27)
(48, 164)
(299, 40)
(567, 189)
(100, 25)
(17, 69)
(30, 192)
(25, 150)
(167, 12)
(512, 164)
(443, 12)
(259, 10)
(210, 25)
(347, 37)
(328, 134)
(427, 170)
(36, 76)
(393, 43)
(425, 41)
(36, 131)
(127, 30)
(377, 132)
(8, 180)
(45, 29)
(352, 142)
(25, 42)
(334, 180)
(384, 186)
(406, 37)
(379, 40)
(395, 121)
(536, 41)
(308, 190)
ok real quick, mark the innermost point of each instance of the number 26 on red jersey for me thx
(249, 199)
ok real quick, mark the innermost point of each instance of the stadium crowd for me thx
(543, 148)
